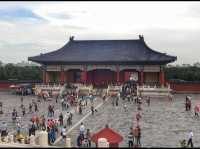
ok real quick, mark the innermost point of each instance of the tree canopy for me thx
(12, 71)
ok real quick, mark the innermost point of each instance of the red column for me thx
(62, 76)
(162, 78)
(85, 74)
(117, 69)
(44, 76)
(141, 77)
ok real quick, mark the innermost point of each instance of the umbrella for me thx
(197, 108)
(12, 86)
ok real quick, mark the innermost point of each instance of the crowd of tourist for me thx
(58, 126)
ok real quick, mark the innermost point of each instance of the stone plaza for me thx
(163, 124)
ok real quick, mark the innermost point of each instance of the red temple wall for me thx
(185, 87)
(5, 85)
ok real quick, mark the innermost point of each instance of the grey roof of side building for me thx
(104, 51)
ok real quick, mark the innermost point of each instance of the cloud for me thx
(31, 28)
(19, 14)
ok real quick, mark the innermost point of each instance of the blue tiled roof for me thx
(101, 51)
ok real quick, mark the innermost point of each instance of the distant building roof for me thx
(104, 51)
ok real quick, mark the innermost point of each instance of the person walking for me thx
(130, 138)
(190, 136)
(139, 135)
(138, 117)
(36, 107)
(61, 119)
(30, 108)
(117, 100)
(23, 110)
(4, 130)
(196, 110)
(64, 133)
(189, 104)
(80, 108)
(88, 138)
(92, 109)
(14, 115)
(82, 130)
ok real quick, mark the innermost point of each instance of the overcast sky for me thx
(30, 28)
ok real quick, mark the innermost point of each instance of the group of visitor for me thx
(84, 138)
(52, 129)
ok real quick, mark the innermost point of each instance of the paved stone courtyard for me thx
(163, 124)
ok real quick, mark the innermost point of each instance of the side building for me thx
(100, 62)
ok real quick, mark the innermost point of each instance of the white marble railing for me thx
(113, 89)
(154, 91)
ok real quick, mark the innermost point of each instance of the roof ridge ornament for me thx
(141, 37)
(71, 38)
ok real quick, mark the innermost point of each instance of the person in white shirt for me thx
(82, 130)
(64, 132)
(4, 129)
(190, 136)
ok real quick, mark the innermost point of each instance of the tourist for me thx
(37, 122)
(148, 101)
(117, 101)
(14, 115)
(130, 138)
(190, 136)
(4, 130)
(170, 97)
(80, 109)
(23, 110)
(62, 104)
(138, 117)
(91, 98)
(82, 130)
(57, 99)
(136, 99)
(18, 127)
(79, 141)
(189, 104)
(88, 138)
(30, 108)
(30, 127)
(125, 108)
(104, 98)
(139, 135)
(84, 143)
(135, 133)
(67, 105)
(52, 135)
(64, 133)
(92, 109)
(128, 97)
(61, 119)
(186, 103)
(196, 110)
(36, 107)
(43, 125)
